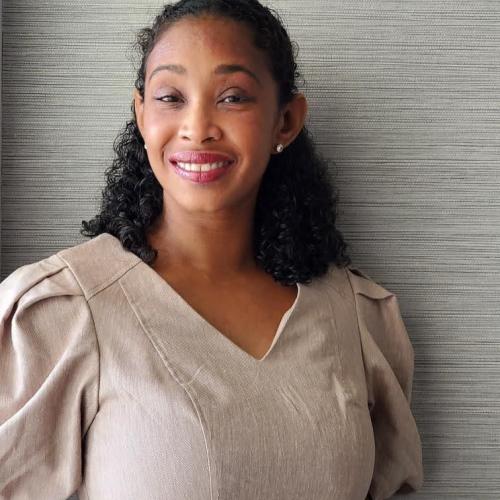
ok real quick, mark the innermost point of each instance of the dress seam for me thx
(98, 352)
(359, 331)
(157, 346)
(102, 285)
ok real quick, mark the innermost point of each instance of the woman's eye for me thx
(240, 98)
(173, 98)
(165, 96)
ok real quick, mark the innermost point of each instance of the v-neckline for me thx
(216, 334)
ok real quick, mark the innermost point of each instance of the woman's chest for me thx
(286, 435)
(248, 312)
(184, 415)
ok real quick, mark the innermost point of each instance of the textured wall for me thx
(1, 45)
(404, 100)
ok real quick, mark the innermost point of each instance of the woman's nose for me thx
(199, 124)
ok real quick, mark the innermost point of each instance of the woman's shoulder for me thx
(379, 317)
(382, 327)
(98, 262)
(82, 269)
(388, 358)
(362, 283)
(49, 368)
(349, 281)
(40, 279)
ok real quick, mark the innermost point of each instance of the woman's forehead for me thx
(195, 39)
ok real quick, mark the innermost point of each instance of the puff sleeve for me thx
(49, 366)
(388, 358)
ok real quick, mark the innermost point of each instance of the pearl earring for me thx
(145, 147)
(279, 148)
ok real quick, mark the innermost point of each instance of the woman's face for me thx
(200, 108)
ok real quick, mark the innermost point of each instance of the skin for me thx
(205, 230)
(204, 234)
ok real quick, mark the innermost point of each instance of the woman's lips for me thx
(199, 157)
(202, 177)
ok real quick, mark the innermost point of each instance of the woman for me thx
(211, 339)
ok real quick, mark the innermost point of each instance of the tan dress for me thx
(113, 386)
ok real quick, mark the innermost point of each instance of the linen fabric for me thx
(114, 387)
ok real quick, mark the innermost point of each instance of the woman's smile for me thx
(202, 173)
(210, 99)
(200, 166)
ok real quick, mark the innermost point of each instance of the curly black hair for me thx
(295, 238)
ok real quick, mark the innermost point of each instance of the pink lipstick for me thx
(200, 166)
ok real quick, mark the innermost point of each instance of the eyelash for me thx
(241, 99)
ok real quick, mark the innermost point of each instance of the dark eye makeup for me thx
(239, 98)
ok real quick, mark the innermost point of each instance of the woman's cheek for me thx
(159, 128)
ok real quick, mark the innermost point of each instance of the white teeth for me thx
(203, 167)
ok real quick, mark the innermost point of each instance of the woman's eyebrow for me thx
(219, 70)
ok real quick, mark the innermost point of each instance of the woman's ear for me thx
(139, 109)
(292, 119)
